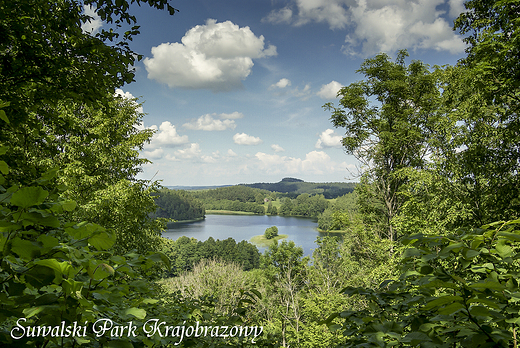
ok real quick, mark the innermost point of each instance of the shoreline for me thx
(229, 212)
(169, 223)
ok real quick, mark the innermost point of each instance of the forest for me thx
(430, 250)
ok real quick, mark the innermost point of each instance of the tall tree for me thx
(57, 85)
(486, 95)
(388, 118)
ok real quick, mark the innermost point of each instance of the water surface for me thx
(302, 231)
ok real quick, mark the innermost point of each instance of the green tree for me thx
(387, 119)
(271, 232)
(284, 269)
(271, 209)
(489, 137)
(458, 290)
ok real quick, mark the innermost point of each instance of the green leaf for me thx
(29, 312)
(158, 257)
(441, 301)
(25, 249)
(488, 284)
(61, 268)
(503, 249)
(511, 236)
(28, 196)
(68, 205)
(102, 271)
(102, 241)
(4, 168)
(3, 116)
(139, 313)
(450, 309)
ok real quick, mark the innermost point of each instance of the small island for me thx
(270, 235)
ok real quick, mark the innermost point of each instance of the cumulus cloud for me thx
(330, 11)
(215, 56)
(377, 26)
(277, 148)
(231, 153)
(92, 25)
(283, 15)
(154, 154)
(190, 152)
(330, 90)
(232, 116)
(281, 84)
(456, 7)
(166, 135)
(315, 162)
(208, 123)
(328, 139)
(244, 139)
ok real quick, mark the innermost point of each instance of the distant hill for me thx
(291, 187)
(294, 187)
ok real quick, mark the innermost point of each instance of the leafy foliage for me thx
(185, 253)
(338, 215)
(456, 290)
(388, 118)
(178, 205)
(303, 205)
(271, 232)
(52, 270)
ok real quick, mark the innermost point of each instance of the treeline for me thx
(259, 201)
(303, 205)
(185, 253)
(234, 198)
(178, 205)
(233, 193)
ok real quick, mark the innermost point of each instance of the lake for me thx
(303, 231)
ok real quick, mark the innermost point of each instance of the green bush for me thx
(271, 232)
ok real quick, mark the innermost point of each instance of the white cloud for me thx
(209, 159)
(380, 26)
(94, 23)
(401, 24)
(315, 162)
(330, 90)
(166, 135)
(154, 154)
(190, 152)
(456, 7)
(279, 16)
(328, 139)
(329, 11)
(232, 116)
(231, 153)
(215, 56)
(277, 148)
(282, 83)
(244, 139)
(208, 123)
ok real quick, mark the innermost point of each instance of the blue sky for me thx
(234, 89)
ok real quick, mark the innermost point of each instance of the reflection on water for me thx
(302, 231)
